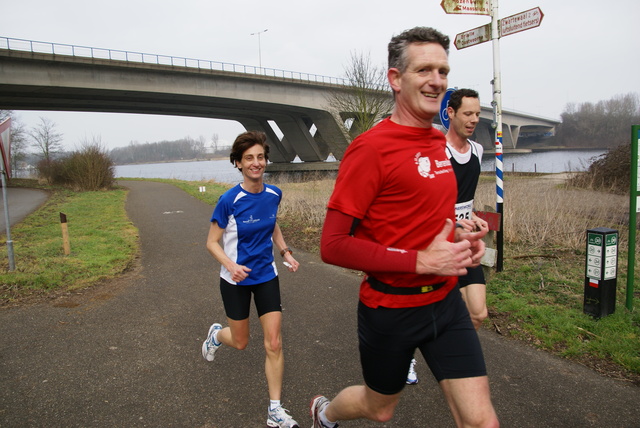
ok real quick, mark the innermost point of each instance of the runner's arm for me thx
(338, 247)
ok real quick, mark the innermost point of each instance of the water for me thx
(222, 171)
(551, 161)
(218, 170)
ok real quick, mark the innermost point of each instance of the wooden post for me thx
(65, 234)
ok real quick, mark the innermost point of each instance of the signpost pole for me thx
(634, 208)
(497, 108)
(5, 129)
(12, 263)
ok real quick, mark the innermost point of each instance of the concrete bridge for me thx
(47, 76)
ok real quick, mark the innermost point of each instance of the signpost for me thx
(473, 37)
(510, 25)
(521, 21)
(497, 28)
(5, 171)
(466, 7)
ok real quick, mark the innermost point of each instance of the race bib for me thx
(464, 210)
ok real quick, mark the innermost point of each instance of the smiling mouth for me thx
(430, 95)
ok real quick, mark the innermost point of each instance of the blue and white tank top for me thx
(248, 220)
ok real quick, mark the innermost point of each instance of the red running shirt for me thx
(399, 182)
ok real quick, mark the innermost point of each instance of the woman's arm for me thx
(278, 241)
(238, 272)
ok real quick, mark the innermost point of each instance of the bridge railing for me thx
(146, 58)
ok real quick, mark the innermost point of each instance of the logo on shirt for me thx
(424, 166)
(251, 220)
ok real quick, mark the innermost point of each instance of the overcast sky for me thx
(584, 50)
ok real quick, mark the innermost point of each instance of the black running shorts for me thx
(442, 331)
(237, 298)
(474, 275)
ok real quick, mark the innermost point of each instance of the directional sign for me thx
(473, 37)
(467, 7)
(521, 21)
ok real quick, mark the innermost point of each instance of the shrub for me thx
(49, 171)
(87, 169)
(610, 171)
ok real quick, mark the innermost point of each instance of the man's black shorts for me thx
(474, 275)
(442, 331)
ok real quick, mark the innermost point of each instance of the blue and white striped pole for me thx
(497, 105)
(499, 201)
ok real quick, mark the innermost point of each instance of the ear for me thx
(450, 111)
(394, 76)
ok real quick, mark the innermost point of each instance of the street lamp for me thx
(259, 47)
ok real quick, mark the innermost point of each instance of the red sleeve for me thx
(338, 247)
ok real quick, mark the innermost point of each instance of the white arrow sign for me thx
(467, 7)
(473, 37)
(510, 25)
(521, 21)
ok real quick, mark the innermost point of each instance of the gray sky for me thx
(584, 50)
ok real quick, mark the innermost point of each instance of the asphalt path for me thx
(126, 353)
(20, 202)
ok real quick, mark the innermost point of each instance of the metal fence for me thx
(146, 58)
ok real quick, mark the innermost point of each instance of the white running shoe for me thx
(210, 346)
(278, 418)
(412, 377)
(318, 403)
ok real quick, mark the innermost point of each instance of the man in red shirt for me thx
(392, 216)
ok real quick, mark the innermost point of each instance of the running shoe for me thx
(210, 346)
(318, 403)
(412, 377)
(278, 418)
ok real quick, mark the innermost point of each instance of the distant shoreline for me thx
(175, 161)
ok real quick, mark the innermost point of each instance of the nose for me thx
(437, 79)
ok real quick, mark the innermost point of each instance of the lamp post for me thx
(259, 47)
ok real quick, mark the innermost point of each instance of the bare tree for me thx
(215, 139)
(45, 138)
(604, 124)
(367, 97)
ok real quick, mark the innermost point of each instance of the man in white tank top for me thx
(466, 157)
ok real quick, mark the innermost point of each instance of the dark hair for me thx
(245, 141)
(399, 44)
(455, 101)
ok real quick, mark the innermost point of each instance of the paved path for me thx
(127, 353)
(21, 202)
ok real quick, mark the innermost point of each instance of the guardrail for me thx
(146, 58)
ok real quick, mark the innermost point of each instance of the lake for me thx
(554, 161)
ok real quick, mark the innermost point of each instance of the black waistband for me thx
(389, 289)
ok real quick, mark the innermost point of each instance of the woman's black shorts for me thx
(237, 298)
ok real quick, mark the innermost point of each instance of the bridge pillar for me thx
(329, 133)
(279, 151)
(297, 133)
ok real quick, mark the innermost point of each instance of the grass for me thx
(103, 244)
(537, 298)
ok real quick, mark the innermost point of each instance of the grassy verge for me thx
(102, 239)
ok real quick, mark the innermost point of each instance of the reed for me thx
(540, 211)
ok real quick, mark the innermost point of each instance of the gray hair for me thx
(399, 44)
